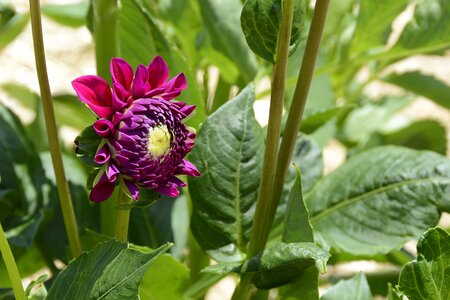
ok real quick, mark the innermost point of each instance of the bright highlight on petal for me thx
(144, 138)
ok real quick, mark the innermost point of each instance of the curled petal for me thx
(140, 85)
(95, 92)
(104, 128)
(102, 156)
(102, 190)
(111, 172)
(158, 72)
(121, 72)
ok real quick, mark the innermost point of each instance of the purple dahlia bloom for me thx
(144, 140)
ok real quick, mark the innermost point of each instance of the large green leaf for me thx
(228, 153)
(375, 23)
(141, 39)
(165, 279)
(423, 85)
(380, 199)
(355, 288)
(428, 277)
(221, 19)
(428, 31)
(111, 270)
(261, 21)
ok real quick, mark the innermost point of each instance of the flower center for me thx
(158, 140)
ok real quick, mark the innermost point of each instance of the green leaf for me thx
(261, 21)
(373, 28)
(297, 228)
(371, 117)
(228, 152)
(380, 199)
(420, 34)
(12, 28)
(141, 39)
(393, 294)
(221, 19)
(428, 276)
(278, 264)
(87, 144)
(355, 288)
(165, 279)
(73, 15)
(111, 270)
(423, 85)
(314, 119)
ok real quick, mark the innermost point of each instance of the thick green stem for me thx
(122, 217)
(52, 132)
(105, 13)
(11, 267)
(260, 230)
(298, 103)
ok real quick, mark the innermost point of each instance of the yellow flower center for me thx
(158, 140)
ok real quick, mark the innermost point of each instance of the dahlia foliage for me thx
(144, 140)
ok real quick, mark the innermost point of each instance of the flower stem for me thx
(122, 217)
(106, 47)
(260, 230)
(298, 103)
(11, 267)
(52, 132)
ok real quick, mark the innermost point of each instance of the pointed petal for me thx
(187, 168)
(133, 189)
(168, 190)
(187, 110)
(102, 190)
(140, 85)
(121, 72)
(158, 72)
(95, 92)
(178, 83)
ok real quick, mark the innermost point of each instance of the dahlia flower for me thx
(144, 140)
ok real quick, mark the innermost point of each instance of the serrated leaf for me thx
(221, 20)
(355, 288)
(110, 271)
(380, 199)
(428, 277)
(261, 21)
(228, 153)
(423, 85)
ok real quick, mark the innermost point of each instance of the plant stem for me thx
(105, 13)
(122, 217)
(11, 267)
(298, 103)
(52, 132)
(260, 230)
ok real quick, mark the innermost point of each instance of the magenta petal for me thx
(178, 83)
(102, 190)
(187, 110)
(102, 156)
(187, 168)
(158, 72)
(95, 92)
(168, 190)
(133, 189)
(140, 85)
(104, 128)
(121, 72)
(111, 172)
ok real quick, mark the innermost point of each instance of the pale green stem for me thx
(11, 267)
(122, 216)
(105, 15)
(52, 131)
(298, 103)
(260, 230)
